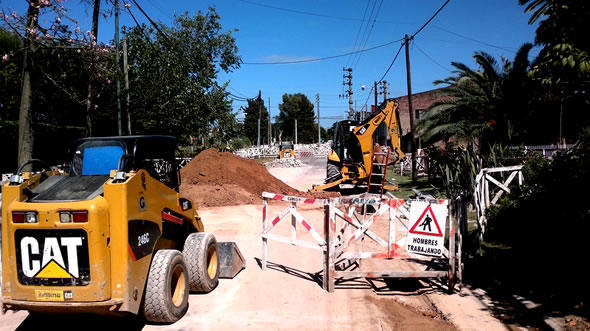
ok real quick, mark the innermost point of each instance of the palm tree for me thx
(538, 7)
(483, 105)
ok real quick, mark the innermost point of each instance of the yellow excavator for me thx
(362, 150)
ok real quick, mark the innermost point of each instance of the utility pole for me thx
(317, 100)
(259, 115)
(126, 74)
(118, 67)
(295, 131)
(349, 92)
(411, 109)
(384, 90)
(376, 102)
(91, 80)
(269, 123)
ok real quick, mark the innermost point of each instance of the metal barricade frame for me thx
(336, 223)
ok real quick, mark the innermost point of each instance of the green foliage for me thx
(10, 71)
(51, 146)
(297, 107)
(253, 110)
(564, 61)
(173, 77)
(458, 167)
(548, 219)
(483, 106)
(240, 142)
(59, 79)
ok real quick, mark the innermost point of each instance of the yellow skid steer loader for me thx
(111, 235)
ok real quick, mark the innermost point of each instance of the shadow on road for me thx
(36, 321)
(381, 286)
(313, 277)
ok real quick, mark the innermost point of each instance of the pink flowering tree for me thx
(55, 54)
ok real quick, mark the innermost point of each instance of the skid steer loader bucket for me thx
(231, 259)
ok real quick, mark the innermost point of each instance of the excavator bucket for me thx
(231, 259)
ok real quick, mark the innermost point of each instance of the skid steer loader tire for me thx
(166, 292)
(332, 173)
(201, 255)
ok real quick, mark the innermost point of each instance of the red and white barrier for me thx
(344, 226)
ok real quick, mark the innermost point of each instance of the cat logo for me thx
(55, 257)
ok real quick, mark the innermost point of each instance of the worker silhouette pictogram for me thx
(426, 223)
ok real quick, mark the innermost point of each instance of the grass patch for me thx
(422, 184)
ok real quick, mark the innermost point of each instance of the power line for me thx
(472, 39)
(430, 58)
(145, 34)
(407, 40)
(425, 24)
(327, 57)
(370, 31)
(365, 29)
(412, 37)
(392, 62)
(359, 31)
(378, 21)
(155, 4)
(300, 11)
(152, 22)
(238, 92)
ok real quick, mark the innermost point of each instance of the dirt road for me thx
(288, 295)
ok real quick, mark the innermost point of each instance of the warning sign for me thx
(426, 234)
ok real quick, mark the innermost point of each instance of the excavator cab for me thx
(356, 144)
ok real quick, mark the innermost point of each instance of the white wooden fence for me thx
(482, 190)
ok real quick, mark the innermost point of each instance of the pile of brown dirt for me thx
(214, 179)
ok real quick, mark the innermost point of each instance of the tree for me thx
(564, 58)
(563, 64)
(173, 72)
(482, 106)
(10, 71)
(255, 110)
(92, 77)
(297, 107)
(49, 48)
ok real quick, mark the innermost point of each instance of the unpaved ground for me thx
(288, 294)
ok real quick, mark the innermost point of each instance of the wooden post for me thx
(264, 239)
(410, 108)
(462, 227)
(329, 228)
(453, 216)
(391, 241)
(293, 224)
(126, 74)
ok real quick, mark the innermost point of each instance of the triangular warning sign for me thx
(427, 224)
(53, 270)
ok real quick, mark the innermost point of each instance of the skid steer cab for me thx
(286, 150)
(110, 235)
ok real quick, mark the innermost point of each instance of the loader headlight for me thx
(65, 217)
(31, 217)
(79, 216)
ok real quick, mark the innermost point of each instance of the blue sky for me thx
(299, 30)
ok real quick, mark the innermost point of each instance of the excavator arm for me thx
(366, 131)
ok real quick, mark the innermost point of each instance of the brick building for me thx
(421, 102)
